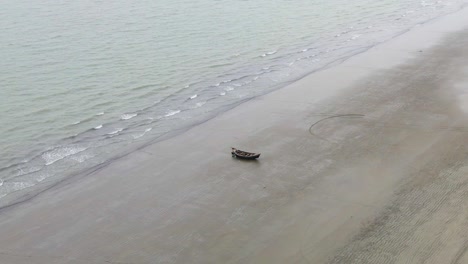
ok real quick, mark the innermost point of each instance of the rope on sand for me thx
(329, 117)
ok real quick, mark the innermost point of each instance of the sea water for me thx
(87, 81)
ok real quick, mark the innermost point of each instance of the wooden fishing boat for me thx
(244, 154)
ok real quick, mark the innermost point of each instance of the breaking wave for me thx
(118, 130)
(127, 116)
(52, 156)
(171, 113)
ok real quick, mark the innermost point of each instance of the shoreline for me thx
(310, 198)
(21, 195)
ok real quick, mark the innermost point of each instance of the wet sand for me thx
(364, 162)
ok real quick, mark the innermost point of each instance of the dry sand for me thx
(387, 185)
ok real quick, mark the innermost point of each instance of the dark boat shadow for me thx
(246, 160)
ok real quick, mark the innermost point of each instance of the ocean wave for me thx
(220, 65)
(100, 114)
(194, 96)
(16, 186)
(269, 53)
(266, 71)
(60, 153)
(82, 158)
(118, 130)
(142, 134)
(127, 116)
(232, 80)
(222, 93)
(171, 113)
(81, 121)
(26, 170)
(98, 127)
(41, 178)
(141, 87)
(103, 104)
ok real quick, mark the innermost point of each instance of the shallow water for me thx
(86, 81)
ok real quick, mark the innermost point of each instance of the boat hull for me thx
(240, 156)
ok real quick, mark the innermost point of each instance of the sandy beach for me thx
(363, 162)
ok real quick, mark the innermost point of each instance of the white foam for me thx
(76, 123)
(27, 170)
(269, 53)
(115, 131)
(41, 177)
(98, 127)
(222, 93)
(100, 114)
(227, 89)
(140, 135)
(60, 153)
(171, 113)
(82, 158)
(1, 182)
(194, 96)
(16, 186)
(127, 116)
